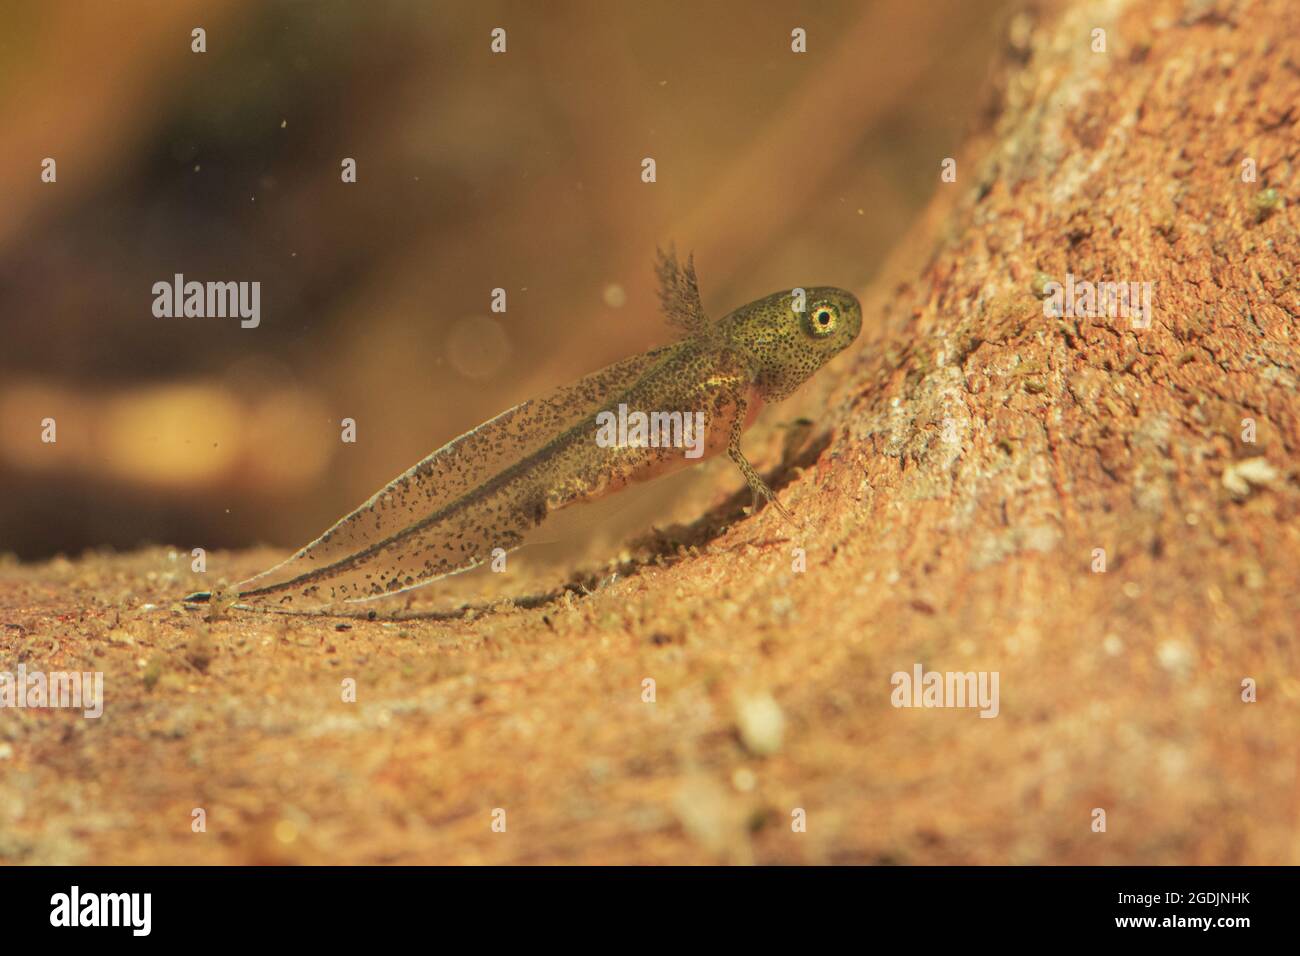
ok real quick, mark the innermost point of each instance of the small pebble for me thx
(761, 724)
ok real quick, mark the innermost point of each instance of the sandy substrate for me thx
(772, 695)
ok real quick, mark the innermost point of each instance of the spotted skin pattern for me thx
(491, 486)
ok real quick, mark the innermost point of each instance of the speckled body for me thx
(485, 490)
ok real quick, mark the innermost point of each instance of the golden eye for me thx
(823, 319)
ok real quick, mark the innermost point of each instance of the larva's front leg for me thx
(752, 478)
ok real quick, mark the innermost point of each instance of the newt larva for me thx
(486, 489)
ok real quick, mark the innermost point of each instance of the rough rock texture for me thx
(971, 459)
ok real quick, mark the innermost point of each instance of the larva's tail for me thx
(477, 495)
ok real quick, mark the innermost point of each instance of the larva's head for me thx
(789, 337)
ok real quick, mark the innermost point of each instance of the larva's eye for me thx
(823, 318)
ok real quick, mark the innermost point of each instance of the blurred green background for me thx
(475, 171)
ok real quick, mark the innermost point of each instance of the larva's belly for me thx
(616, 468)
